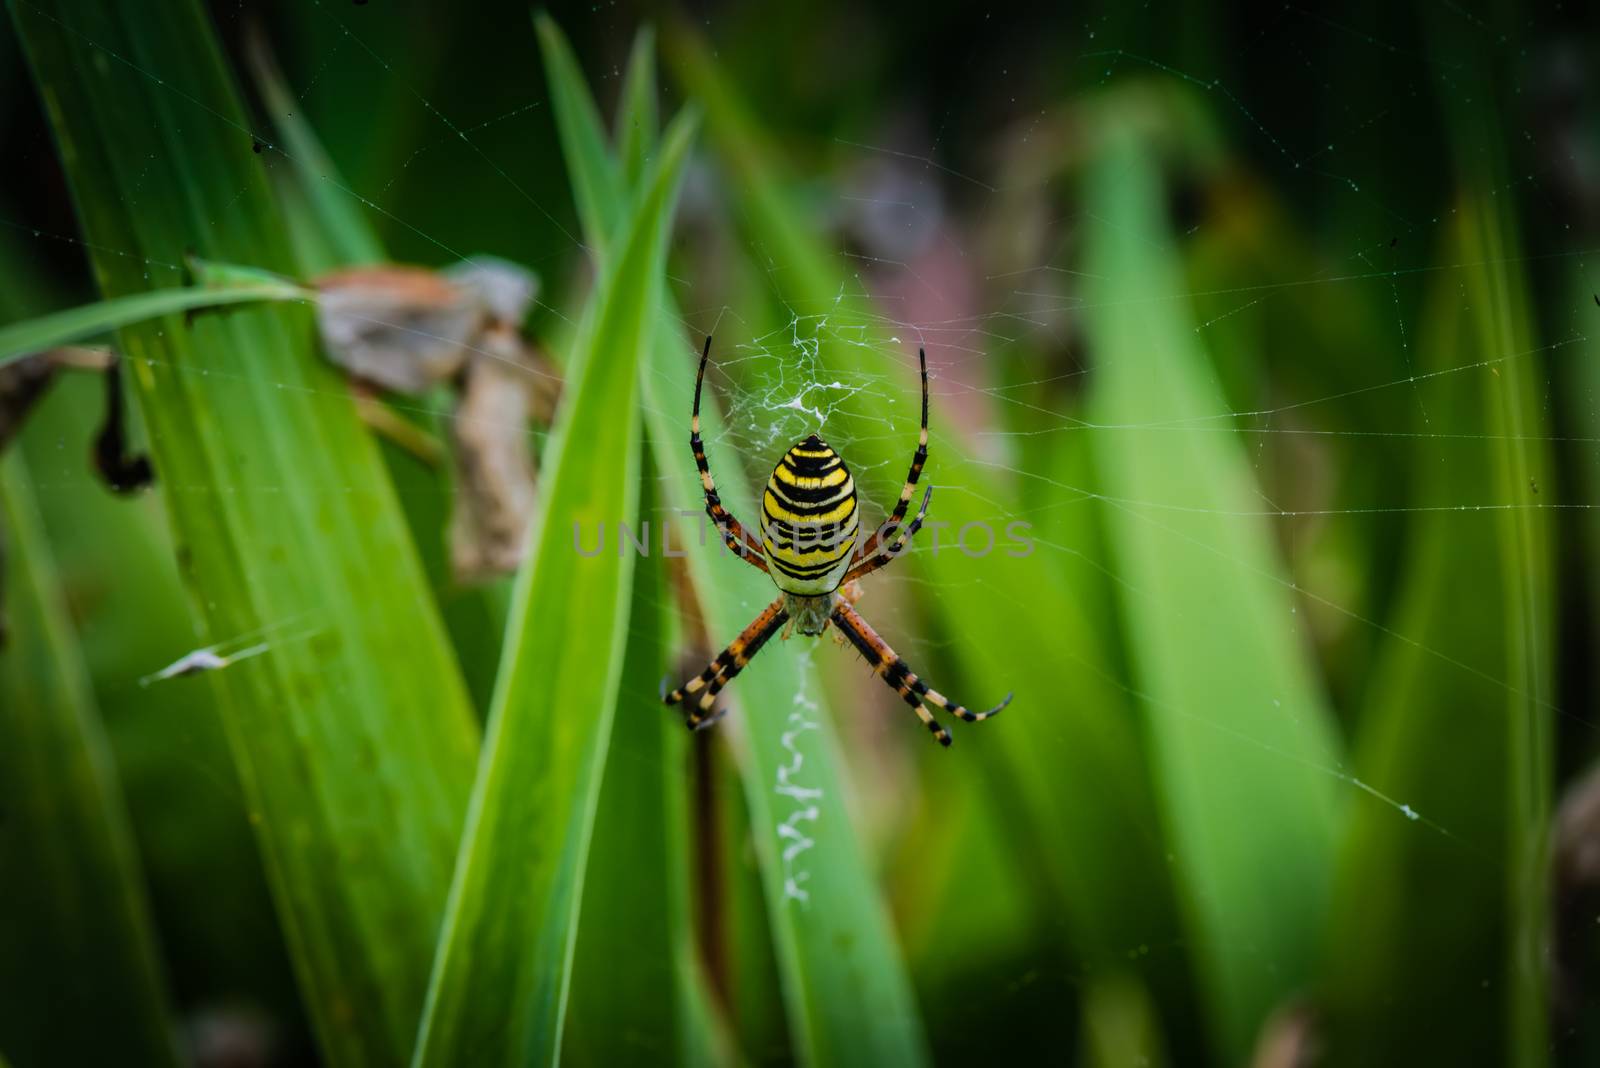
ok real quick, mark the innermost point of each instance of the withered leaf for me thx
(505, 289)
(494, 465)
(401, 328)
(407, 329)
(24, 381)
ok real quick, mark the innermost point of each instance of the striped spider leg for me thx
(872, 555)
(727, 666)
(887, 664)
(735, 656)
(732, 531)
(879, 551)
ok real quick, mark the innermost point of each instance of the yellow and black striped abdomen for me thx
(809, 519)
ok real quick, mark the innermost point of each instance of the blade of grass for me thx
(352, 732)
(105, 316)
(1405, 897)
(641, 838)
(1073, 771)
(736, 932)
(1478, 897)
(637, 120)
(347, 234)
(845, 988)
(1514, 403)
(747, 159)
(636, 891)
(208, 890)
(597, 188)
(114, 560)
(78, 960)
(498, 994)
(1238, 724)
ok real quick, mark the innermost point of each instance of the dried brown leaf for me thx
(404, 329)
(494, 461)
(24, 381)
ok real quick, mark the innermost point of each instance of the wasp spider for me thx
(810, 529)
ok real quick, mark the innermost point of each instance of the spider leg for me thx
(732, 531)
(887, 663)
(727, 665)
(886, 554)
(869, 548)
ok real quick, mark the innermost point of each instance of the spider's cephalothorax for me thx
(810, 530)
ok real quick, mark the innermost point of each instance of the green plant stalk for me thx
(352, 733)
(845, 988)
(1244, 754)
(78, 959)
(500, 982)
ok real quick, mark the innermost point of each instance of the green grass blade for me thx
(738, 949)
(77, 958)
(1483, 680)
(596, 186)
(88, 321)
(347, 234)
(845, 987)
(637, 121)
(761, 199)
(500, 982)
(1408, 896)
(352, 731)
(114, 556)
(848, 997)
(1079, 786)
(1514, 403)
(1238, 725)
(207, 890)
(636, 892)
